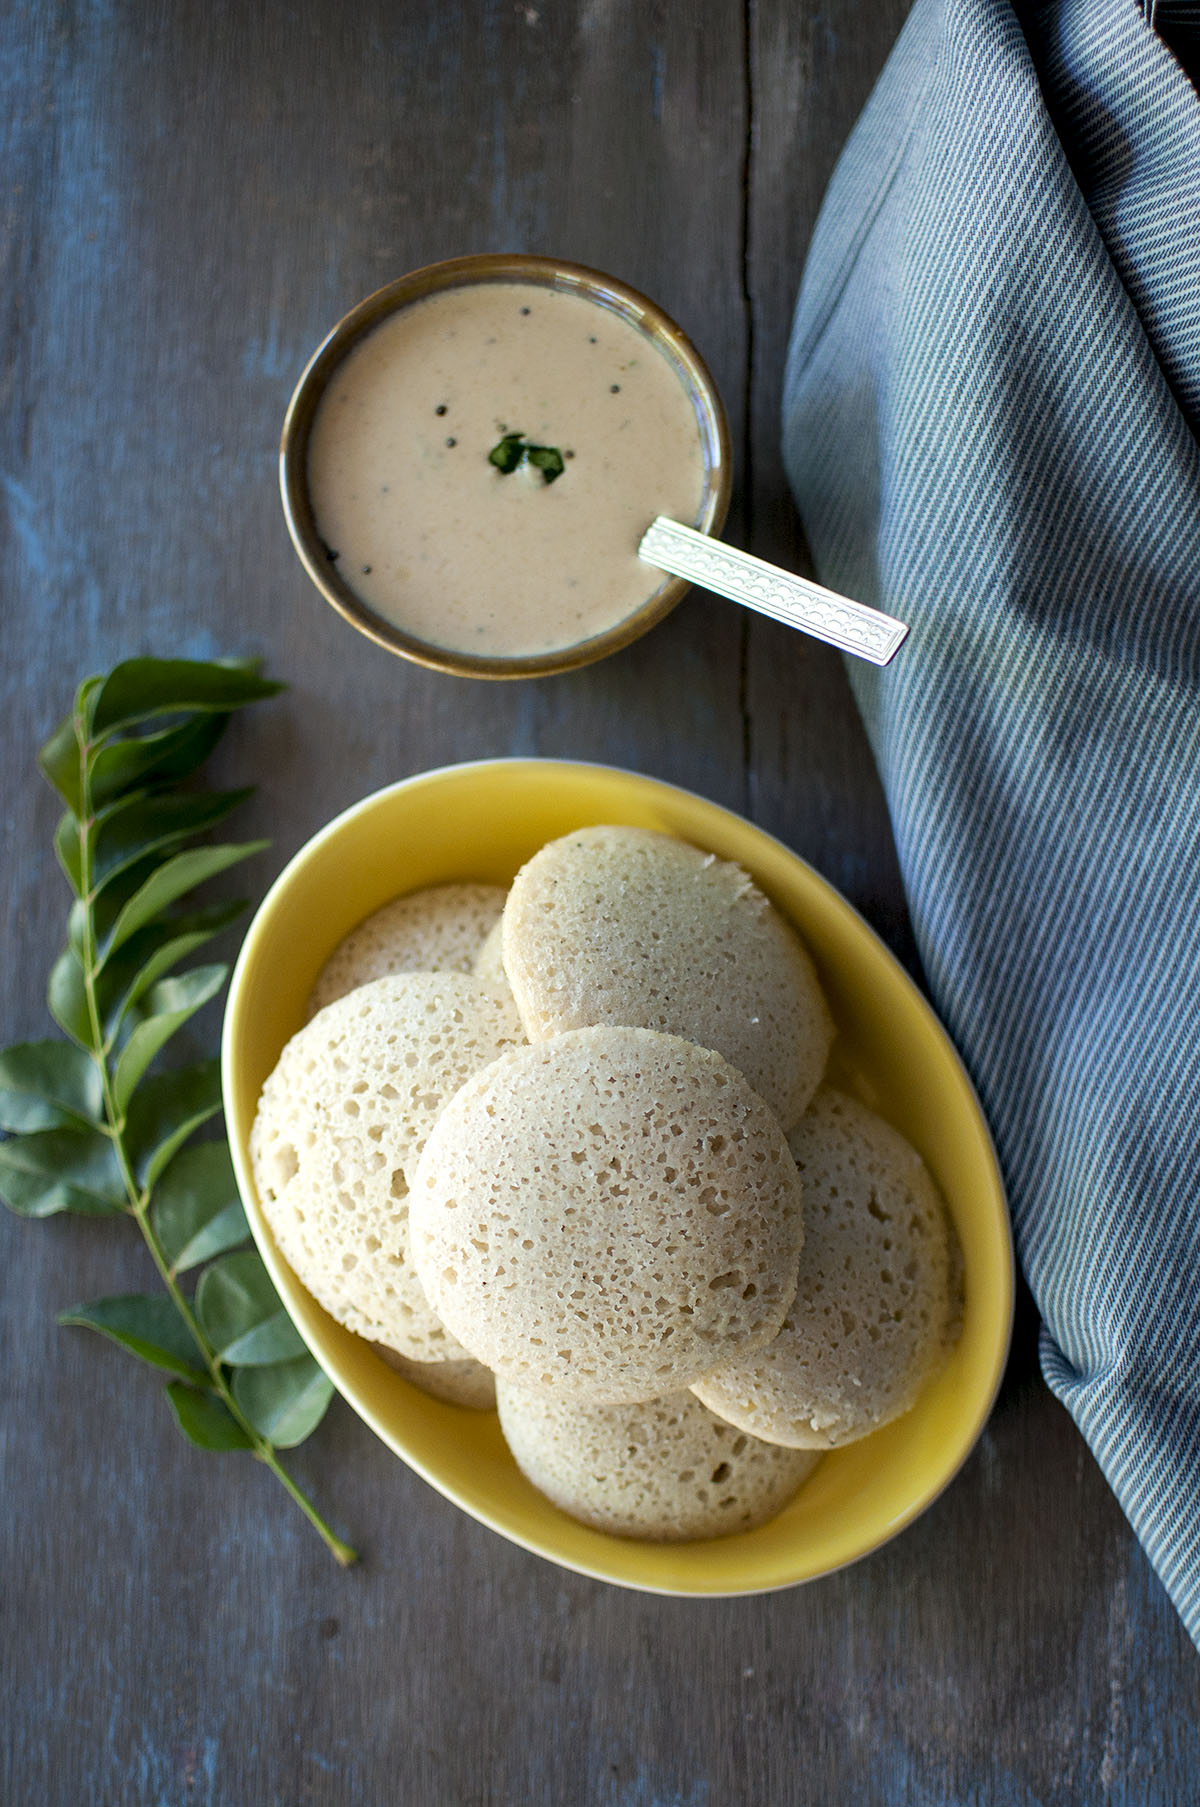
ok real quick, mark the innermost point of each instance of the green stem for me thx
(139, 1197)
(261, 1446)
(342, 1551)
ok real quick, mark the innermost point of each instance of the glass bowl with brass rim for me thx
(481, 821)
(662, 592)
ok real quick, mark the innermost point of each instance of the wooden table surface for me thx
(193, 194)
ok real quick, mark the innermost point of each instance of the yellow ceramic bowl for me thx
(482, 821)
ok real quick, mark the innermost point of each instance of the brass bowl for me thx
(606, 292)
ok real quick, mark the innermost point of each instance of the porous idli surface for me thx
(876, 1305)
(628, 926)
(438, 929)
(666, 1469)
(343, 1115)
(488, 966)
(613, 1212)
(462, 1382)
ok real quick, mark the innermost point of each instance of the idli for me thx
(664, 1469)
(627, 926)
(876, 1305)
(488, 965)
(461, 1382)
(345, 1111)
(438, 929)
(613, 1212)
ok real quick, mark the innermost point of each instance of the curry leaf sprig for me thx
(92, 1128)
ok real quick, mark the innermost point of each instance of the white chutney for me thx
(439, 542)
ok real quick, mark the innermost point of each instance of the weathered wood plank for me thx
(193, 195)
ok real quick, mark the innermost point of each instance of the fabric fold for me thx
(987, 427)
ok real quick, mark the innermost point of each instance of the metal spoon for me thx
(796, 601)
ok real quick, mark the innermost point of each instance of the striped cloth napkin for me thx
(991, 413)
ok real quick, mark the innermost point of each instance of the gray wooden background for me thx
(193, 192)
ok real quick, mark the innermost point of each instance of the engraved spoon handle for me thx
(795, 601)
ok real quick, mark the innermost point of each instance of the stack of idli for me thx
(571, 1150)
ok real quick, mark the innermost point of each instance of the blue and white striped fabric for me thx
(991, 403)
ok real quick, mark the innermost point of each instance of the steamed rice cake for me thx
(438, 929)
(344, 1113)
(612, 1213)
(488, 965)
(663, 1469)
(627, 926)
(463, 1381)
(876, 1304)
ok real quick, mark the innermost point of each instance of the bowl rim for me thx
(1003, 1281)
(455, 272)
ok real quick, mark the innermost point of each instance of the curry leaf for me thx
(168, 1006)
(49, 1085)
(100, 912)
(52, 1170)
(197, 1211)
(284, 1402)
(170, 881)
(205, 1421)
(68, 846)
(242, 1314)
(62, 763)
(160, 757)
(513, 450)
(140, 688)
(166, 1109)
(507, 453)
(140, 824)
(66, 995)
(62, 758)
(148, 1325)
(151, 953)
(547, 459)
